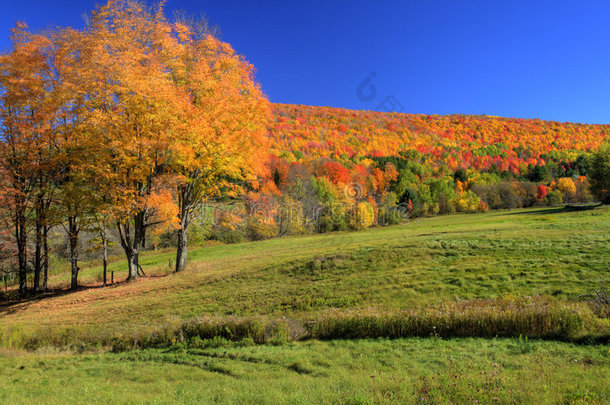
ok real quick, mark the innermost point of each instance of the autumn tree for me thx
(24, 125)
(221, 134)
(129, 111)
(335, 172)
(567, 187)
(541, 192)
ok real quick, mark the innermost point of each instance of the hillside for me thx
(509, 276)
(550, 254)
(464, 141)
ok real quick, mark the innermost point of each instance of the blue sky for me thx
(515, 58)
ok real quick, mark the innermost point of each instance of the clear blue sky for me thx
(515, 58)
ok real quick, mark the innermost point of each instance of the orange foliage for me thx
(456, 140)
(335, 172)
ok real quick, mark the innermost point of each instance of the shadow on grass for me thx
(558, 210)
(11, 302)
(12, 299)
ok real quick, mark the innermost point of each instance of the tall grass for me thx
(541, 318)
(479, 318)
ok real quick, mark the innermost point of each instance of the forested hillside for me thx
(381, 167)
(458, 140)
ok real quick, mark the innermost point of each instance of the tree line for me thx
(132, 121)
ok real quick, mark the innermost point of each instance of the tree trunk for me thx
(132, 264)
(22, 252)
(38, 247)
(45, 256)
(73, 235)
(185, 203)
(105, 250)
(182, 249)
(130, 247)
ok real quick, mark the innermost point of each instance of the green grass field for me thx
(501, 273)
(345, 372)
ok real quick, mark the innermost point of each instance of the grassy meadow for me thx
(307, 319)
(427, 370)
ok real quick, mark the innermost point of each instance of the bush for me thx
(496, 196)
(567, 187)
(535, 317)
(443, 193)
(468, 202)
(228, 227)
(553, 198)
(227, 235)
(599, 300)
(290, 219)
(527, 193)
(233, 329)
(541, 192)
(489, 194)
(260, 229)
(198, 232)
(363, 216)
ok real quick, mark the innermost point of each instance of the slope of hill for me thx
(499, 256)
(518, 273)
(458, 140)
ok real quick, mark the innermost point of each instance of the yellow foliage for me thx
(566, 185)
(364, 215)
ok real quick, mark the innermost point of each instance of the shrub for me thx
(496, 196)
(328, 223)
(259, 229)
(278, 333)
(599, 300)
(290, 219)
(227, 227)
(233, 329)
(489, 194)
(541, 192)
(468, 202)
(583, 193)
(554, 197)
(567, 187)
(227, 235)
(535, 317)
(443, 193)
(527, 193)
(364, 216)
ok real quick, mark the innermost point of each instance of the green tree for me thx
(599, 174)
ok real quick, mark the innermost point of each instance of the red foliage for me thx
(278, 170)
(335, 172)
(541, 192)
(453, 140)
